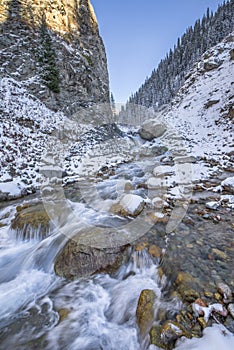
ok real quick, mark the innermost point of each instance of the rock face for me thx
(54, 47)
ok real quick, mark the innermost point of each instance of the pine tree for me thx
(112, 101)
(47, 59)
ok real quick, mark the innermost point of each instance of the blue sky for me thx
(137, 34)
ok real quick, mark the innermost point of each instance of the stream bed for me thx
(40, 310)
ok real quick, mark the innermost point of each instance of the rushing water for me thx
(42, 311)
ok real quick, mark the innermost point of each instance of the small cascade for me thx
(29, 233)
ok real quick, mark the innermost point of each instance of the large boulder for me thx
(79, 259)
(152, 129)
(145, 310)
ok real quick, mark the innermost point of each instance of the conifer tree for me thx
(47, 59)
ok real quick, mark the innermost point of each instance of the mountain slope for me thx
(169, 76)
(203, 110)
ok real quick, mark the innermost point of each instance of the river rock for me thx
(145, 310)
(78, 260)
(231, 309)
(156, 217)
(155, 337)
(155, 251)
(159, 203)
(187, 286)
(219, 254)
(225, 290)
(171, 331)
(31, 219)
(130, 204)
(152, 129)
(228, 184)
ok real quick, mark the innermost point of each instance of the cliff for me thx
(54, 49)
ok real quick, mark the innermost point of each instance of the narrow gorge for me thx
(116, 229)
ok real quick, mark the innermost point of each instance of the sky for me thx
(137, 34)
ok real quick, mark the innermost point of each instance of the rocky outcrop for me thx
(54, 47)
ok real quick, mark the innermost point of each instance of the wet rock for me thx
(231, 309)
(157, 217)
(225, 290)
(78, 260)
(130, 204)
(189, 294)
(63, 314)
(30, 219)
(187, 286)
(141, 246)
(218, 296)
(229, 323)
(145, 310)
(171, 331)
(208, 294)
(155, 337)
(196, 331)
(202, 322)
(152, 129)
(200, 302)
(219, 254)
(155, 251)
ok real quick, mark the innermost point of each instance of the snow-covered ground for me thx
(31, 135)
(202, 112)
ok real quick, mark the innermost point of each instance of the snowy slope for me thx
(203, 109)
(25, 126)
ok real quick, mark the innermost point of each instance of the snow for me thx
(215, 338)
(228, 182)
(132, 203)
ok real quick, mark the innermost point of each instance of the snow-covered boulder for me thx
(163, 170)
(228, 184)
(130, 204)
(159, 203)
(152, 129)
